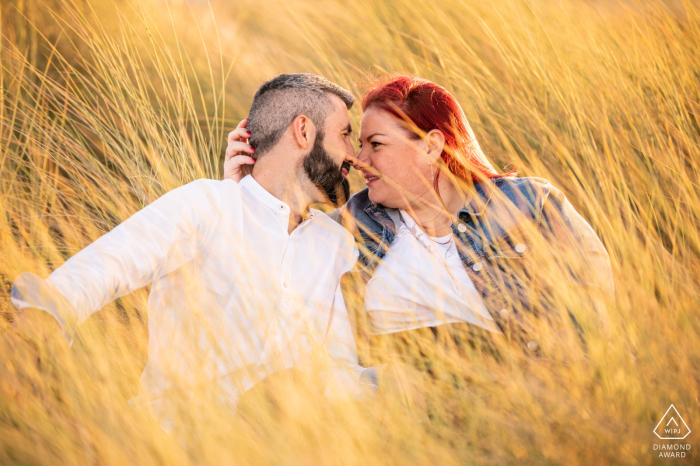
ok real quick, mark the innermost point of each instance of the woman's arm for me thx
(574, 242)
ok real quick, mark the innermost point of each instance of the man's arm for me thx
(347, 376)
(150, 244)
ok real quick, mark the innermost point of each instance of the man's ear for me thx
(304, 131)
(436, 143)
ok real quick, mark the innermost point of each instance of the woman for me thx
(451, 251)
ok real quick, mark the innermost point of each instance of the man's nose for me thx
(352, 159)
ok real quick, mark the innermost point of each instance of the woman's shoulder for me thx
(522, 181)
(530, 187)
(538, 192)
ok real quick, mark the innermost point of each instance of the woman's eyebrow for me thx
(369, 138)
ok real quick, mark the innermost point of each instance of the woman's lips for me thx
(369, 179)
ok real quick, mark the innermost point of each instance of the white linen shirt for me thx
(232, 289)
(421, 283)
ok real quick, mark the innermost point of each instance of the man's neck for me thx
(276, 180)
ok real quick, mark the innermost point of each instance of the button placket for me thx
(287, 260)
(491, 293)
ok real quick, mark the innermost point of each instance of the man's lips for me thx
(344, 171)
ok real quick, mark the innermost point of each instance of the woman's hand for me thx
(238, 153)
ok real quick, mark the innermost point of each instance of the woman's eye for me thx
(375, 144)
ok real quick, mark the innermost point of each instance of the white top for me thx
(422, 283)
(231, 288)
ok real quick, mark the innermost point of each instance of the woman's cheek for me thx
(390, 193)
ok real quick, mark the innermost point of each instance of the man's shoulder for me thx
(208, 184)
(206, 187)
(336, 235)
(199, 197)
(323, 220)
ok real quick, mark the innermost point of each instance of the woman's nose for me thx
(361, 161)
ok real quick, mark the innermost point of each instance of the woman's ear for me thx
(436, 143)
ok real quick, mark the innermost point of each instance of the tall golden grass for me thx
(105, 106)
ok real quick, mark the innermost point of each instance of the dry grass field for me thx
(106, 105)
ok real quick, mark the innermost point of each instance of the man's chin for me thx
(341, 195)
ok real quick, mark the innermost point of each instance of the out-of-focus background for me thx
(106, 105)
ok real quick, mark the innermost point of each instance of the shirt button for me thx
(504, 313)
(477, 266)
(281, 207)
(462, 227)
(520, 248)
(532, 346)
(284, 284)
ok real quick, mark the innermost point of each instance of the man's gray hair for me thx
(280, 100)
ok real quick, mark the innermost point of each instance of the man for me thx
(245, 276)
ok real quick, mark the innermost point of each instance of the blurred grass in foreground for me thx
(106, 106)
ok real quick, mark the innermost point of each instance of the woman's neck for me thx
(435, 214)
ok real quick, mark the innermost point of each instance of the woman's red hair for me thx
(429, 106)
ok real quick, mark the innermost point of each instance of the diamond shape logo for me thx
(672, 426)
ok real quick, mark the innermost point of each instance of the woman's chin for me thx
(374, 195)
(378, 197)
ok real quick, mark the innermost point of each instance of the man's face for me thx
(329, 160)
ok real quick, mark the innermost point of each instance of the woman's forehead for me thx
(377, 119)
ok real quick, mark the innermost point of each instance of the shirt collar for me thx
(254, 188)
(418, 233)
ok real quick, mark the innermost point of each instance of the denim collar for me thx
(484, 192)
(381, 214)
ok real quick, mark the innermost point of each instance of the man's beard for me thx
(325, 174)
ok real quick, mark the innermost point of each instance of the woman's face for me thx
(394, 162)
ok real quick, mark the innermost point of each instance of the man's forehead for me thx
(339, 119)
(337, 101)
(340, 110)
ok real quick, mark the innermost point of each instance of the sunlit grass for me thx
(106, 106)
